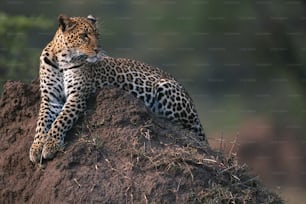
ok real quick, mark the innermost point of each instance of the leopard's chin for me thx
(92, 59)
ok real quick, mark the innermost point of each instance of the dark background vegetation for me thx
(243, 63)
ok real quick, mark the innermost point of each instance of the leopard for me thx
(73, 67)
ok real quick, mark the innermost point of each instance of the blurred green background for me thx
(243, 63)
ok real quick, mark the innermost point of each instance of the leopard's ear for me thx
(92, 19)
(65, 23)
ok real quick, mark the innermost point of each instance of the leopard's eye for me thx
(84, 36)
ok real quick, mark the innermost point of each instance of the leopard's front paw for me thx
(35, 151)
(51, 147)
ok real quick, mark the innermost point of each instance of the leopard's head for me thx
(76, 40)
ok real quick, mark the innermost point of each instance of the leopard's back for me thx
(158, 89)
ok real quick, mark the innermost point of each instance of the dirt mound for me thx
(117, 153)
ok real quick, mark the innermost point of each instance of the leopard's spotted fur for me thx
(72, 67)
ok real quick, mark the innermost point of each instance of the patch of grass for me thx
(224, 180)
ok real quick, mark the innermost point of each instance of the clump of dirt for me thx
(118, 152)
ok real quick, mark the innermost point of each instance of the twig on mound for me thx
(235, 143)
(228, 168)
(210, 160)
(247, 181)
(76, 181)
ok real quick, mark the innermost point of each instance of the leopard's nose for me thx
(97, 50)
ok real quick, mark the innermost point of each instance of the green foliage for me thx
(18, 60)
